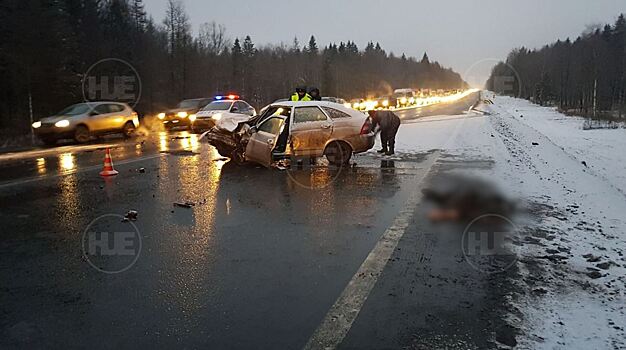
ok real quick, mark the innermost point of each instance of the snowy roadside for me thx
(570, 293)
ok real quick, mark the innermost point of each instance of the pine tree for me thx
(312, 48)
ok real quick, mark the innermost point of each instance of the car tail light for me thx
(367, 127)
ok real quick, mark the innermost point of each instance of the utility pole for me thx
(595, 97)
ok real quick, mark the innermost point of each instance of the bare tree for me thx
(212, 38)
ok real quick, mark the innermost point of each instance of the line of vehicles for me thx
(402, 98)
(282, 130)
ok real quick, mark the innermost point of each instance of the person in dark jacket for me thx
(387, 123)
(315, 94)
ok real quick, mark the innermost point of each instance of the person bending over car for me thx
(315, 94)
(387, 123)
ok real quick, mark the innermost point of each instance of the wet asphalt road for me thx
(256, 262)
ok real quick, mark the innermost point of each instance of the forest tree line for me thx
(48, 45)
(586, 76)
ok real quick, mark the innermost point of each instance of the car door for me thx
(99, 117)
(117, 117)
(263, 141)
(310, 131)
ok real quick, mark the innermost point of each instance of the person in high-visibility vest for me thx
(300, 95)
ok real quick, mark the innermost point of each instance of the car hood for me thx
(55, 118)
(230, 122)
(177, 110)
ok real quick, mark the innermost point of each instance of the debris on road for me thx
(131, 215)
(187, 204)
(141, 170)
(535, 143)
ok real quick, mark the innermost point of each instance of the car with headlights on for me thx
(183, 113)
(82, 121)
(230, 107)
(295, 130)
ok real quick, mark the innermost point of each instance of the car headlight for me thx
(62, 123)
(217, 116)
(182, 114)
(356, 105)
(403, 100)
(192, 117)
(386, 103)
(161, 116)
(36, 125)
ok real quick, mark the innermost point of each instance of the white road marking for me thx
(52, 151)
(344, 312)
(76, 171)
(339, 319)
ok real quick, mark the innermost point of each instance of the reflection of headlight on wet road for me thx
(36, 125)
(62, 123)
(161, 116)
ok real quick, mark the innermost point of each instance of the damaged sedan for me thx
(294, 130)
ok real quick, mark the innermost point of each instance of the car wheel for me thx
(128, 130)
(81, 134)
(49, 141)
(338, 153)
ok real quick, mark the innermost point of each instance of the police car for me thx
(229, 106)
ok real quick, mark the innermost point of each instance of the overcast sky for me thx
(462, 34)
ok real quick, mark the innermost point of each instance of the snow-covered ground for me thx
(571, 291)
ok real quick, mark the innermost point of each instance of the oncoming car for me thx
(84, 120)
(231, 107)
(296, 130)
(183, 113)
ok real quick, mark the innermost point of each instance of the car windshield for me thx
(189, 104)
(218, 106)
(77, 109)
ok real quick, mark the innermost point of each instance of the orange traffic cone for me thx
(108, 165)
